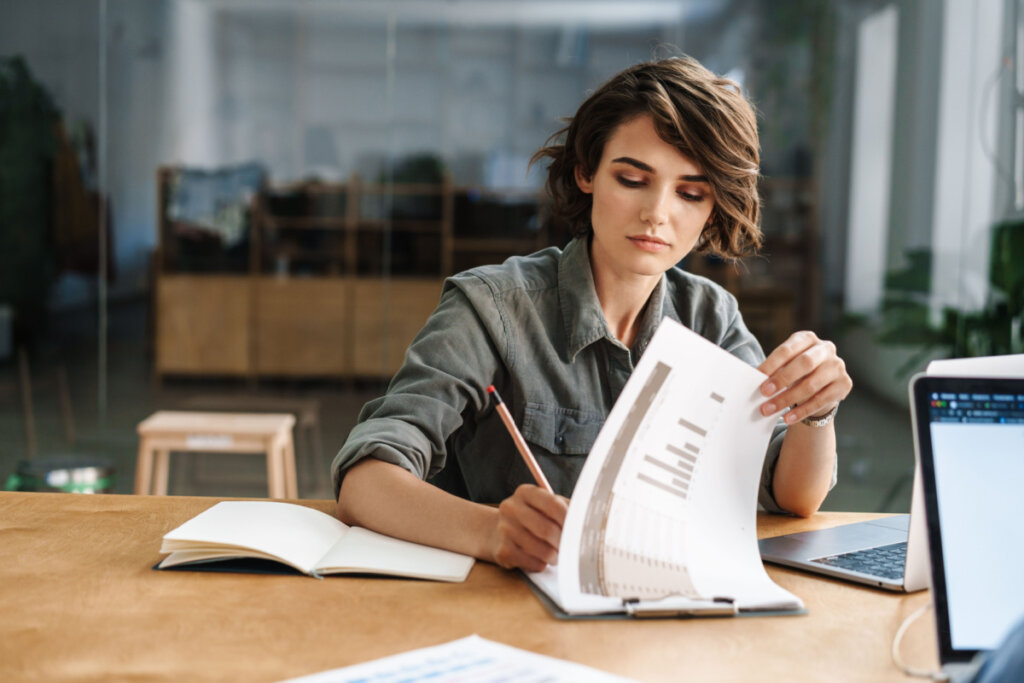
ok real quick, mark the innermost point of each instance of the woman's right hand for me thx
(528, 529)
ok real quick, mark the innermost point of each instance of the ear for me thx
(585, 184)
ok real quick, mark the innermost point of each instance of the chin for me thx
(649, 265)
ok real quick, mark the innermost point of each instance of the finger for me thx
(518, 512)
(548, 504)
(802, 377)
(800, 391)
(813, 396)
(802, 365)
(819, 404)
(796, 344)
(510, 556)
(513, 532)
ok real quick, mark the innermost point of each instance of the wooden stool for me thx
(308, 439)
(168, 430)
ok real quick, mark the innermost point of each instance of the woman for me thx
(661, 160)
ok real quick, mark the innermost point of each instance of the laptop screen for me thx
(971, 444)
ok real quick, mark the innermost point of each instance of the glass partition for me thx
(251, 206)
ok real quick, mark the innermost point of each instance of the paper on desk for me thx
(469, 660)
(666, 503)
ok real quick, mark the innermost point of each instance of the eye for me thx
(629, 182)
(690, 197)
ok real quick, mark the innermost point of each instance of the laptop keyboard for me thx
(886, 561)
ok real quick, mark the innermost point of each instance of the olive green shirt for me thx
(534, 328)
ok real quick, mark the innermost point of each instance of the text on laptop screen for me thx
(978, 450)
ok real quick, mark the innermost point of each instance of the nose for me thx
(655, 208)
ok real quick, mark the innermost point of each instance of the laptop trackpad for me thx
(841, 539)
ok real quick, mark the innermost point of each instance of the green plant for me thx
(996, 329)
(1007, 266)
(27, 143)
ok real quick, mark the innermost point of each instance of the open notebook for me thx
(302, 538)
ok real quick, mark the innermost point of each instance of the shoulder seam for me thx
(499, 305)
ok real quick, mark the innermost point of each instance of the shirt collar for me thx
(650, 318)
(581, 311)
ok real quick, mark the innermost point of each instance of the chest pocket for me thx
(561, 431)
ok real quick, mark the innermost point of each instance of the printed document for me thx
(665, 508)
(468, 660)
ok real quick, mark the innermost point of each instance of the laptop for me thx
(889, 553)
(970, 436)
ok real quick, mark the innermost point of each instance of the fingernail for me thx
(790, 418)
(767, 388)
(767, 409)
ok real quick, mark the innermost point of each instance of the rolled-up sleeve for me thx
(765, 492)
(446, 371)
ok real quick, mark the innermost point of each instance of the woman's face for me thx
(650, 203)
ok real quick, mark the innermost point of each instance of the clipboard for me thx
(718, 608)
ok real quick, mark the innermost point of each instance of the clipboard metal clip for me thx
(664, 609)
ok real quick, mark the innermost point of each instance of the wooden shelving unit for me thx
(340, 277)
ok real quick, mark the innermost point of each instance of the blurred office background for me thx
(251, 204)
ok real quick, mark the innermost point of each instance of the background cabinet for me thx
(332, 279)
(202, 324)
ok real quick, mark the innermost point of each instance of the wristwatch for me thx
(821, 420)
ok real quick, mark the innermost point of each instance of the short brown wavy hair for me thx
(702, 115)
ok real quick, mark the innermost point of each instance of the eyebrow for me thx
(645, 167)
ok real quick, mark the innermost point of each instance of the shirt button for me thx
(560, 440)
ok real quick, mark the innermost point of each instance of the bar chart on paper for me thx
(674, 466)
(633, 543)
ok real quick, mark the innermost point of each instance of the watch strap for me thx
(821, 420)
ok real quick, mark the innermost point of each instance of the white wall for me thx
(965, 173)
(871, 172)
(191, 82)
(464, 93)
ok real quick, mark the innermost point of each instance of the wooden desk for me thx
(80, 602)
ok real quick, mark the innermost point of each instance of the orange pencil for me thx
(518, 439)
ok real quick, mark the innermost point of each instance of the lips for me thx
(648, 243)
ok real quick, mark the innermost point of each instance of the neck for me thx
(622, 298)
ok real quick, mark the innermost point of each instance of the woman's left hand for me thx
(812, 379)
